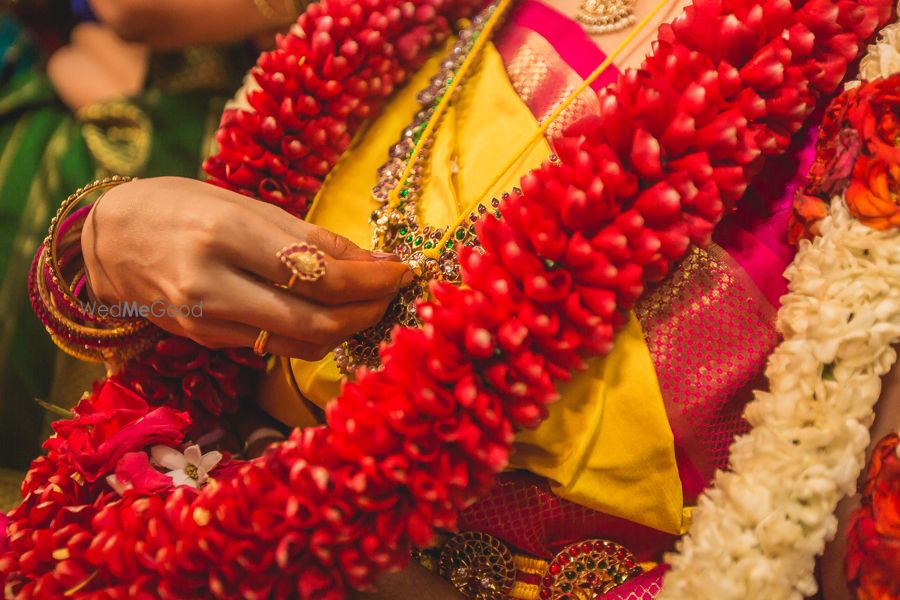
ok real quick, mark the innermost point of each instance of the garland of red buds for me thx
(408, 447)
(183, 375)
(311, 94)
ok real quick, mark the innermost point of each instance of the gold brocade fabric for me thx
(709, 331)
(607, 443)
(118, 135)
(543, 79)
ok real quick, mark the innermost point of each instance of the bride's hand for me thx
(172, 242)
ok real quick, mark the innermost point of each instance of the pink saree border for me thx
(567, 37)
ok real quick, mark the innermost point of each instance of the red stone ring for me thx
(306, 262)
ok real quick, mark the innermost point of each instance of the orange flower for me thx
(857, 150)
(806, 212)
(872, 195)
(873, 537)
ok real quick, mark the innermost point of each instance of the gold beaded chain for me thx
(605, 16)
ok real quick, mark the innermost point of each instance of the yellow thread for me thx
(77, 588)
(435, 251)
(524, 591)
(527, 564)
(483, 37)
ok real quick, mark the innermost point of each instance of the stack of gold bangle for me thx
(56, 303)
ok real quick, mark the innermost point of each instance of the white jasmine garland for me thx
(756, 533)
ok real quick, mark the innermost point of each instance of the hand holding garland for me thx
(213, 262)
(630, 193)
(143, 243)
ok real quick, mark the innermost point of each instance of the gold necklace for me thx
(395, 223)
(605, 16)
(432, 251)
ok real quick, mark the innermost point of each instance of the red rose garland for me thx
(406, 448)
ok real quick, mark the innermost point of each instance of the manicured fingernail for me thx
(407, 279)
(384, 256)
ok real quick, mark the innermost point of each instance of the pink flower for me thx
(135, 473)
(111, 423)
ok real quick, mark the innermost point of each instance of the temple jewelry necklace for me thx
(431, 251)
(395, 221)
(605, 16)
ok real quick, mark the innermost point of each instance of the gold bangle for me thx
(116, 329)
(67, 206)
(50, 259)
(112, 333)
(102, 355)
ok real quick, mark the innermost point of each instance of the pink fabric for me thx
(574, 46)
(693, 481)
(547, 56)
(756, 235)
(522, 511)
(709, 332)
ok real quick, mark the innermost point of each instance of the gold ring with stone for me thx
(306, 262)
